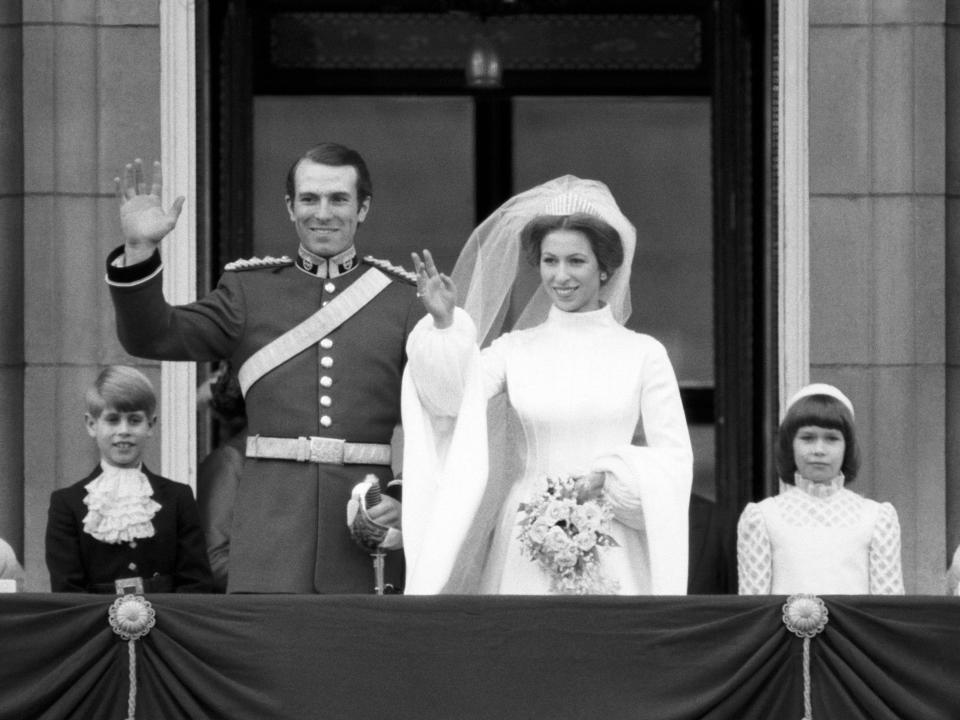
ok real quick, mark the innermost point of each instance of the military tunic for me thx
(289, 530)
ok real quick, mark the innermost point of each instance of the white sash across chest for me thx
(313, 329)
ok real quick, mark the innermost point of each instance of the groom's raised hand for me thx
(143, 220)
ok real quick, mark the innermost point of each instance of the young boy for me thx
(123, 528)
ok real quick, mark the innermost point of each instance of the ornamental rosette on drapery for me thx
(132, 617)
(805, 616)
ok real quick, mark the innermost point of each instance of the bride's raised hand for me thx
(435, 290)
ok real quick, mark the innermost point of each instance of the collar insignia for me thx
(331, 267)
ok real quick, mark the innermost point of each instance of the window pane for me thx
(420, 154)
(654, 154)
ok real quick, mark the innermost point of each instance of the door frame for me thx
(780, 274)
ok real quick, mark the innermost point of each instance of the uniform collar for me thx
(327, 267)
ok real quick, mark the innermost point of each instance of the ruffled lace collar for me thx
(815, 489)
(120, 505)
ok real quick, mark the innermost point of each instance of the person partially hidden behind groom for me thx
(319, 344)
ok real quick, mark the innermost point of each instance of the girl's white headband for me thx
(821, 389)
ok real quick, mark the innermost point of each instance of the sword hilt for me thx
(373, 498)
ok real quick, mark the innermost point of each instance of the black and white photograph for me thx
(470, 359)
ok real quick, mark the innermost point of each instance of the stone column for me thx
(91, 74)
(952, 122)
(877, 252)
(11, 272)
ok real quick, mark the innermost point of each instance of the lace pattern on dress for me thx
(886, 573)
(754, 554)
(828, 508)
(829, 505)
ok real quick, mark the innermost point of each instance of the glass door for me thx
(659, 100)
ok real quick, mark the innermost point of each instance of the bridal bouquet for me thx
(565, 537)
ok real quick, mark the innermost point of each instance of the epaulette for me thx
(256, 263)
(394, 270)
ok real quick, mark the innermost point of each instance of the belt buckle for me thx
(326, 450)
(129, 586)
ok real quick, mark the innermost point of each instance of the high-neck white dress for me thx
(819, 538)
(580, 384)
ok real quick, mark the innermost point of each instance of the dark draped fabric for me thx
(666, 658)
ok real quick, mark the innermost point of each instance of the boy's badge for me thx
(129, 586)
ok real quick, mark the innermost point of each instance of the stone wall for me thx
(11, 272)
(877, 251)
(952, 124)
(91, 78)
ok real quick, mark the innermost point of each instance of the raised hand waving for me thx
(143, 220)
(436, 290)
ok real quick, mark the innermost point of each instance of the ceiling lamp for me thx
(483, 65)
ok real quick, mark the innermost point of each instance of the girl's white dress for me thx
(579, 384)
(819, 538)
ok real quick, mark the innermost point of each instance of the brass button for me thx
(329, 287)
(325, 400)
(326, 343)
(132, 566)
(326, 421)
(326, 380)
(326, 361)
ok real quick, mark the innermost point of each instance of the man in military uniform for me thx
(319, 343)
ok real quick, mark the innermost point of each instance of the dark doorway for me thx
(666, 102)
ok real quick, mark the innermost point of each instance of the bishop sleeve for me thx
(438, 360)
(649, 486)
(445, 448)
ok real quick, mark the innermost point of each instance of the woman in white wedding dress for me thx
(583, 387)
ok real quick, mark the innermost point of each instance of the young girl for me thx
(816, 536)
(123, 528)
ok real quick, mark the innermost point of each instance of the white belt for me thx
(331, 451)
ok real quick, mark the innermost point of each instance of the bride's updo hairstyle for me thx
(823, 406)
(502, 292)
(604, 238)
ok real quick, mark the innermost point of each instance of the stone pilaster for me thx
(11, 272)
(878, 252)
(91, 74)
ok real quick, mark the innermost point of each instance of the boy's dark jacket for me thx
(77, 561)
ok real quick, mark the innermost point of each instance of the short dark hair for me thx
(336, 155)
(823, 411)
(604, 238)
(123, 388)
